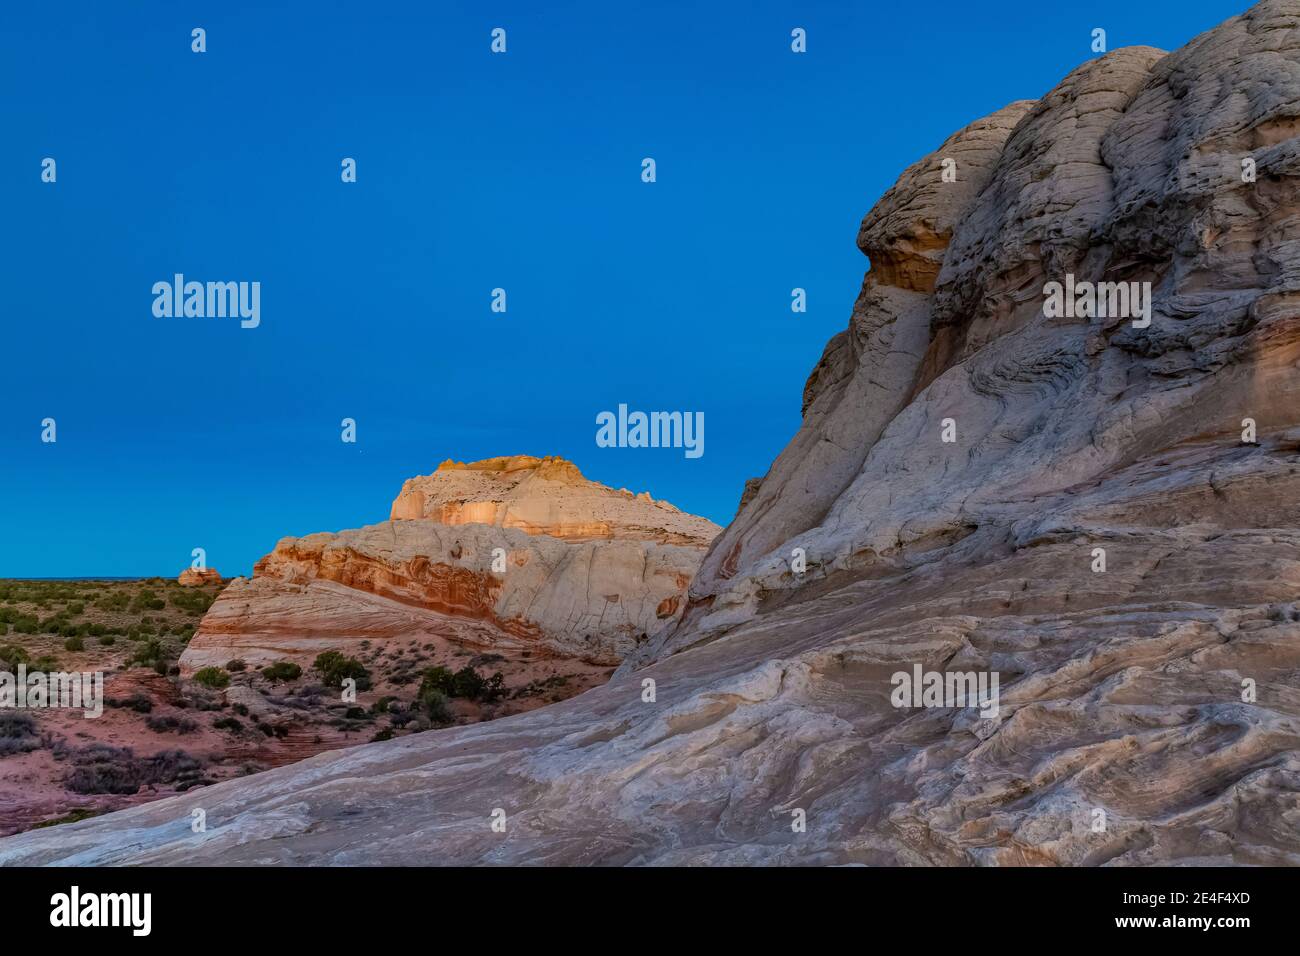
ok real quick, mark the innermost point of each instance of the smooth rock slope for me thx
(1157, 696)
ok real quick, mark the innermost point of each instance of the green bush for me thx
(282, 670)
(147, 600)
(149, 655)
(213, 677)
(466, 683)
(74, 644)
(437, 678)
(436, 705)
(334, 668)
(12, 655)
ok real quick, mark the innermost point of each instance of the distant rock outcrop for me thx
(194, 577)
(507, 553)
(1113, 530)
(545, 496)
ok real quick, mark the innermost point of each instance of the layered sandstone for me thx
(194, 577)
(1154, 692)
(545, 496)
(511, 554)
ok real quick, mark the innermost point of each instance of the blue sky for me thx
(475, 171)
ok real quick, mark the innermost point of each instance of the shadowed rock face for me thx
(1157, 695)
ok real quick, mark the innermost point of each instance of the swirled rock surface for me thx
(1113, 529)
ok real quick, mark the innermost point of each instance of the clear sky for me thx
(474, 171)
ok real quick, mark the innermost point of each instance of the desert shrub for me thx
(194, 601)
(356, 713)
(168, 724)
(236, 665)
(114, 602)
(108, 640)
(18, 733)
(46, 662)
(76, 607)
(147, 600)
(385, 734)
(466, 683)
(175, 767)
(213, 677)
(137, 702)
(12, 655)
(74, 644)
(436, 705)
(228, 723)
(282, 670)
(148, 655)
(102, 768)
(437, 678)
(334, 668)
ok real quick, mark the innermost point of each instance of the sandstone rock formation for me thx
(545, 496)
(193, 577)
(505, 554)
(1157, 695)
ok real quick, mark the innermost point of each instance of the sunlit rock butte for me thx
(510, 555)
(195, 577)
(1148, 712)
